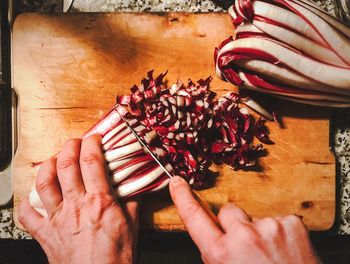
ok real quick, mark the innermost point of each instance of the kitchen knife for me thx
(203, 204)
(145, 147)
(5, 85)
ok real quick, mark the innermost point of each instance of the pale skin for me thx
(238, 239)
(87, 224)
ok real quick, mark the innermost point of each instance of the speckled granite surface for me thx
(341, 117)
(342, 152)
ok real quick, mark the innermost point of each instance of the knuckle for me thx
(64, 164)
(76, 211)
(294, 224)
(225, 211)
(114, 217)
(111, 213)
(189, 210)
(22, 216)
(45, 175)
(293, 220)
(23, 219)
(72, 194)
(43, 183)
(121, 227)
(272, 225)
(73, 206)
(121, 224)
(37, 233)
(219, 254)
(101, 201)
(246, 234)
(45, 166)
(72, 141)
(89, 158)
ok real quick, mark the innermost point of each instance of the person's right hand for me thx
(268, 240)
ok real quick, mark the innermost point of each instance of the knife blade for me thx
(145, 147)
(202, 203)
(67, 5)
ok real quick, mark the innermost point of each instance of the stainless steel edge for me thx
(67, 4)
(145, 147)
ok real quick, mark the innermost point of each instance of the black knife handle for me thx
(5, 88)
(5, 128)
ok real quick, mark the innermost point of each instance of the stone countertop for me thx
(341, 121)
(342, 152)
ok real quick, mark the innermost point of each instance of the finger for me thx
(295, 230)
(68, 170)
(30, 219)
(200, 226)
(270, 228)
(230, 214)
(292, 222)
(48, 187)
(131, 210)
(93, 166)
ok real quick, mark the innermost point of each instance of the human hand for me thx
(85, 223)
(241, 240)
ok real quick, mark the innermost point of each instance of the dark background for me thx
(159, 247)
(172, 248)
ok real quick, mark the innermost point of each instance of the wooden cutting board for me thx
(68, 69)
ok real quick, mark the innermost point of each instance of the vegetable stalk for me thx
(287, 48)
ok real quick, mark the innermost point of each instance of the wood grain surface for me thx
(68, 69)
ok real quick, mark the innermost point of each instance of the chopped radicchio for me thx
(184, 125)
(194, 129)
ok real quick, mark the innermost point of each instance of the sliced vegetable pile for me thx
(288, 48)
(194, 129)
(184, 125)
(133, 170)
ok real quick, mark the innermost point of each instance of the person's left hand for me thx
(85, 223)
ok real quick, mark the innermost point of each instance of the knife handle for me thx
(207, 209)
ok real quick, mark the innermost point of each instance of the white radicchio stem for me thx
(290, 49)
(132, 169)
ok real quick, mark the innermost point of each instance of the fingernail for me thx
(177, 180)
(97, 135)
